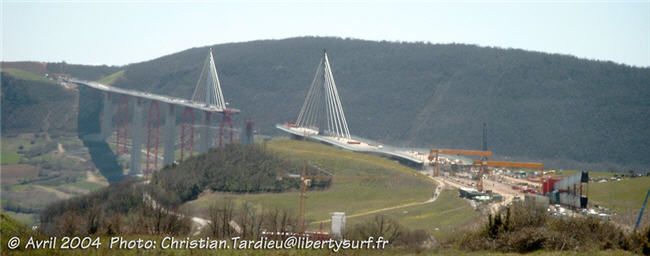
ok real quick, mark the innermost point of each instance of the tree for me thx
(378, 226)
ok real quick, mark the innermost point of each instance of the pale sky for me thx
(122, 32)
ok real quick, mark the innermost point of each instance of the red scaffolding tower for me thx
(226, 120)
(187, 132)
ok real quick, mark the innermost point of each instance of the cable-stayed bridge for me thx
(322, 119)
(135, 118)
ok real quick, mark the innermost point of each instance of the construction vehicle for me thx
(435, 154)
(483, 168)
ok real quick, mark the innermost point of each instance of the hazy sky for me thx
(121, 32)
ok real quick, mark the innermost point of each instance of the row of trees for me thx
(117, 209)
(228, 219)
(391, 230)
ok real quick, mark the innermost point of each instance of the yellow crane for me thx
(305, 181)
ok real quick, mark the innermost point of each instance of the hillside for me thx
(234, 168)
(538, 106)
(32, 103)
(363, 186)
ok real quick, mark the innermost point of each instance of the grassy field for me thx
(23, 218)
(361, 183)
(110, 79)
(624, 197)
(15, 173)
(85, 185)
(448, 216)
(9, 157)
(40, 179)
(26, 75)
(620, 195)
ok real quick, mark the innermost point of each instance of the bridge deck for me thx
(151, 96)
(358, 145)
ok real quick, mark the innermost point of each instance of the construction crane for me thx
(435, 154)
(484, 164)
(305, 182)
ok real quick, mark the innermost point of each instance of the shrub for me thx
(522, 228)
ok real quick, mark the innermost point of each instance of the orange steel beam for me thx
(459, 152)
(528, 165)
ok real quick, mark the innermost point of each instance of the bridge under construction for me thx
(134, 118)
(322, 119)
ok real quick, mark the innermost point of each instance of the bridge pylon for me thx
(208, 87)
(322, 110)
(208, 92)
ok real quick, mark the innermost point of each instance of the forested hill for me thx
(537, 106)
(31, 102)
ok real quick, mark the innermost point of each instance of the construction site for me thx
(488, 184)
(471, 183)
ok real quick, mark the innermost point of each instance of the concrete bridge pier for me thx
(136, 137)
(107, 116)
(169, 135)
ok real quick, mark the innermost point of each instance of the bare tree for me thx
(380, 225)
(249, 220)
(220, 214)
(113, 224)
(214, 216)
(93, 219)
(68, 223)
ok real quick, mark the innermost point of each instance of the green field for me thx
(620, 195)
(361, 183)
(10, 157)
(110, 79)
(42, 178)
(85, 185)
(449, 215)
(23, 218)
(26, 75)
(624, 197)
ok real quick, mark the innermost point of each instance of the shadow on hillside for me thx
(88, 130)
